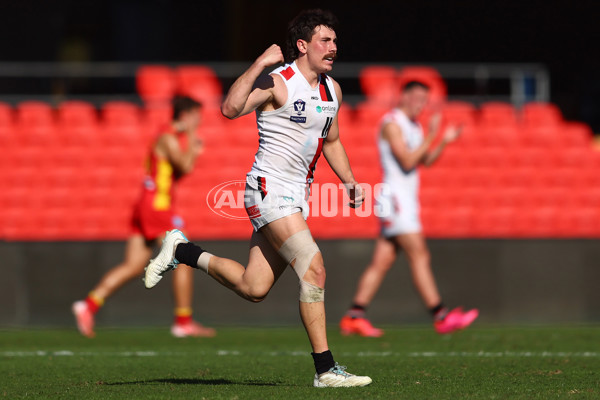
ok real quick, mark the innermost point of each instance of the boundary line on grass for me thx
(423, 354)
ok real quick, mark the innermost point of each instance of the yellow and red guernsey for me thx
(159, 183)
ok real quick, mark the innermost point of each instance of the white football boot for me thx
(165, 260)
(338, 377)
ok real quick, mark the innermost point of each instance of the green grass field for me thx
(274, 363)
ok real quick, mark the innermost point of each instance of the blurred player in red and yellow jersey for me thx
(153, 214)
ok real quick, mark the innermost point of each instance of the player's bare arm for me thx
(450, 135)
(408, 159)
(336, 157)
(181, 160)
(249, 92)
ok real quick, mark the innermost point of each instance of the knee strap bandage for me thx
(301, 247)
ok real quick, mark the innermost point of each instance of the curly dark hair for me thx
(303, 27)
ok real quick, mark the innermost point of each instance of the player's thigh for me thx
(137, 252)
(280, 230)
(265, 265)
(413, 244)
(308, 262)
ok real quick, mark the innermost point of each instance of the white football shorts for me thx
(267, 199)
(398, 213)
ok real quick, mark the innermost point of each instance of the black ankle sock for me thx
(323, 361)
(188, 254)
(358, 307)
(436, 310)
(356, 311)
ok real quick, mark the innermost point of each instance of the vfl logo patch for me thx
(299, 114)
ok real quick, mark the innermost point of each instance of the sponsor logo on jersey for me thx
(299, 114)
(327, 109)
(314, 97)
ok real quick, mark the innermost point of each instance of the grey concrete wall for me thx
(510, 281)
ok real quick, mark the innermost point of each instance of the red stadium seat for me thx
(120, 113)
(243, 137)
(587, 197)
(247, 121)
(508, 197)
(364, 157)
(438, 177)
(495, 222)
(541, 114)
(199, 82)
(469, 138)
(79, 135)
(379, 84)
(346, 116)
(535, 222)
(369, 113)
(574, 157)
(455, 157)
(427, 75)
(529, 157)
(35, 113)
(6, 115)
(360, 136)
(77, 113)
(70, 177)
(72, 157)
(578, 223)
(36, 135)
(498, 136)
(155, 83)
(520, 177)
(157, 115)
(575, 134)
(498, 114)
(541, 136)
(8, 136)
(484, 157)
(212, 117)
(20, 224)
(459, 113)
(123, 135)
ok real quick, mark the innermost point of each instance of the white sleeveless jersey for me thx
(291, 137)
(400, 180)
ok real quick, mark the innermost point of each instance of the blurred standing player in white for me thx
(153, 213)
(296, 112)
(402, 148)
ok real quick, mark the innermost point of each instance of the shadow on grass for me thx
(188, 381)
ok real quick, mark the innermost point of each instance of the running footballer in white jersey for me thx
(403, 147)
(296, 112)
(291, 140)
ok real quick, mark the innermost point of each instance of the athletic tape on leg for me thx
(302, 248)
(203, 261)
(310, 293)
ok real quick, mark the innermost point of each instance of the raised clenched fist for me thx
(271, 56)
